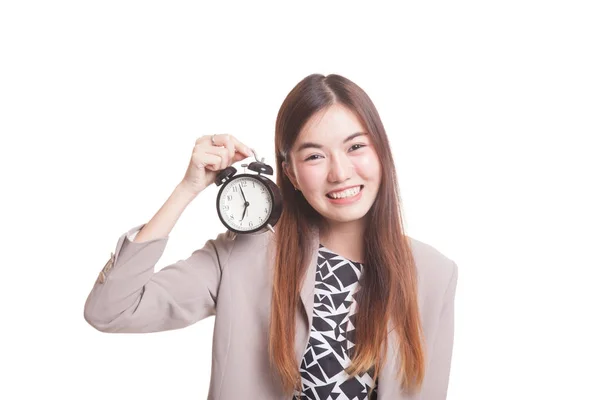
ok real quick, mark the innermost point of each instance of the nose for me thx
(340, 168)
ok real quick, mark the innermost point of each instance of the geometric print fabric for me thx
(332, 333)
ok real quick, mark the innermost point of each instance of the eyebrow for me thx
(307, 145)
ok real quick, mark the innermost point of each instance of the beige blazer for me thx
(231, 279)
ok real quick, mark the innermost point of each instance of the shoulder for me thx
(430, 260)
(243, 245)
(437, 274)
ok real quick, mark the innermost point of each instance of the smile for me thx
(347, 193)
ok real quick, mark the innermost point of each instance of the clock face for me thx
(245, 204)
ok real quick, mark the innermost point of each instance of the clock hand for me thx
(244, 214)
(244, 197)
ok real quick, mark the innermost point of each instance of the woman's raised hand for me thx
(211, 154)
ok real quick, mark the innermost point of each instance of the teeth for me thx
(345, 193)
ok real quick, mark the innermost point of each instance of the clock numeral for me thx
(229, 197)
(244, 183)
(250, 224)
(226, 207)
(253, 184)
(235, 189)
(231, 216)
(266, 211)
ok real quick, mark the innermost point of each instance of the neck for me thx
(344, 238)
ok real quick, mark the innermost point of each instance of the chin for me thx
(344, 217)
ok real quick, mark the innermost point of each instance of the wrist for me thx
(185, 191)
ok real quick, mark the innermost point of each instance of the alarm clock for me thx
(248, 203)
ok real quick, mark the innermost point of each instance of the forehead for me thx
(330, 126)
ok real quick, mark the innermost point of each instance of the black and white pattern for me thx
(332, 333)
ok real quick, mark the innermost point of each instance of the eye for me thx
(360, 145)
(311, 157)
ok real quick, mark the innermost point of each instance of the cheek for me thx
(311, 178)
(368, 166)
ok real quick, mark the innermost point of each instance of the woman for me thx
(337, 303)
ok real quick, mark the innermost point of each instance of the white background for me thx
(492, 109)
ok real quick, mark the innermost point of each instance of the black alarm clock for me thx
(248, 203)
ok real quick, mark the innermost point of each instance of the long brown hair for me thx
(389, 283)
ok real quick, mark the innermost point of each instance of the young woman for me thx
(338, 303)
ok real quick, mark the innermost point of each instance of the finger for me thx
(204, 139)
(242, 148)
(223, 154)
(218, 139)
(230, 150)
(239, 146)
(239, 157)
(209, 161)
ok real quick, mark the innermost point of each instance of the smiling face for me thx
(333, 151)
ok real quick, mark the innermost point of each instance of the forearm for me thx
(166, 217)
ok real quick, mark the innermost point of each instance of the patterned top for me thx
(332, 333)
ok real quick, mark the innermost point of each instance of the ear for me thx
(287, 168)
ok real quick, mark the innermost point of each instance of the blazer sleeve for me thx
(130, 297)
(435, 385)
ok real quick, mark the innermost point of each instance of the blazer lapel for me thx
(307, 290)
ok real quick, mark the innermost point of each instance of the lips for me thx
(360, 187)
